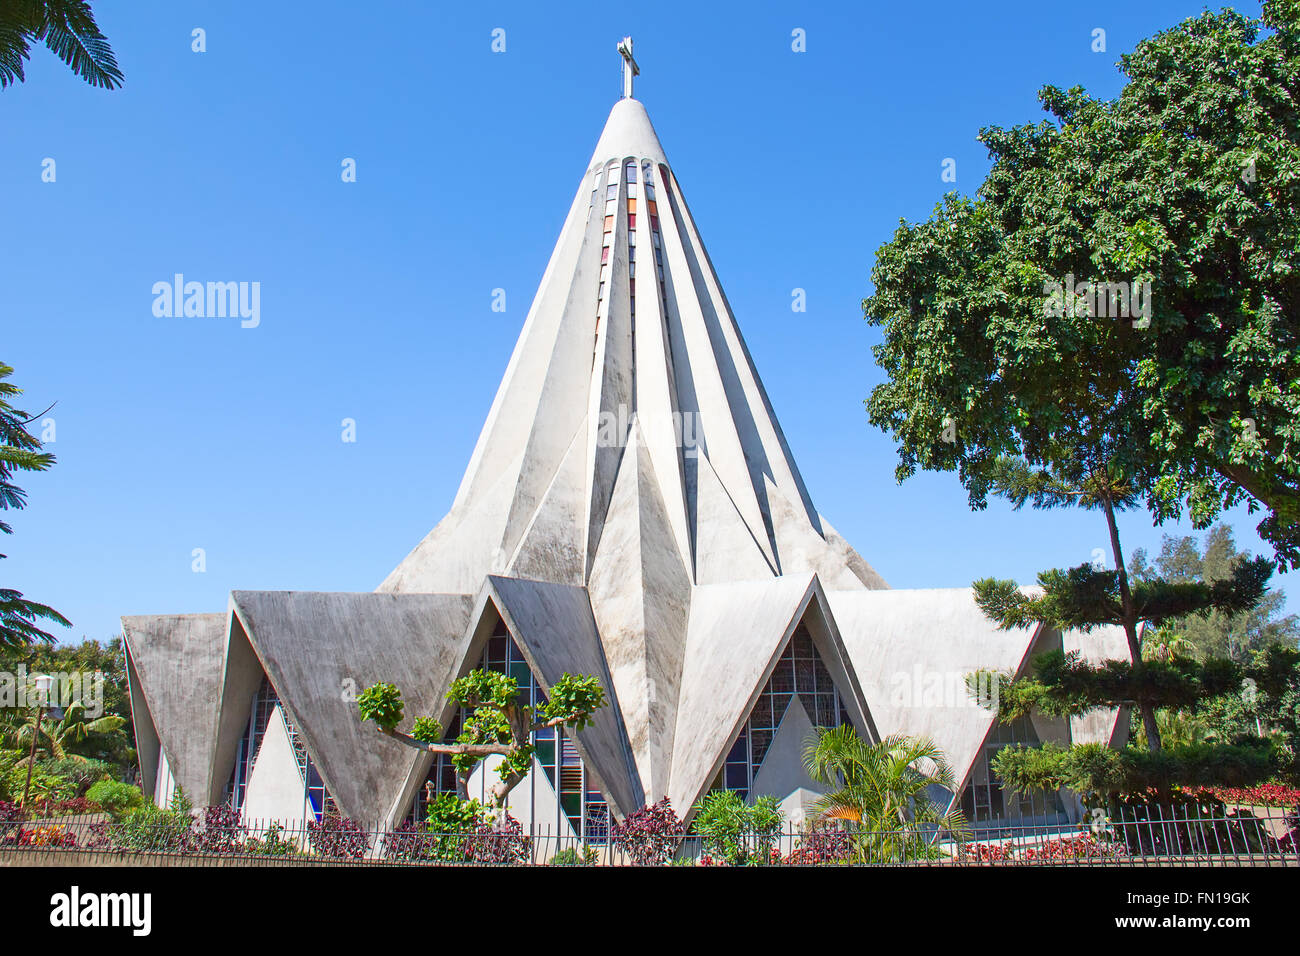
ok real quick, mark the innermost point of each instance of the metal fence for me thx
(1133, 836)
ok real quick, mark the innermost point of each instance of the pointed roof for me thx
(911, 651)
(629, 323)
(737, 633)
(175, 666)
(553, 627)
(315, 647)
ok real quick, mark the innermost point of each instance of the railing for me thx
(1141, 836)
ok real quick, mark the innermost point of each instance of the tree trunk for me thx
(1129, 613)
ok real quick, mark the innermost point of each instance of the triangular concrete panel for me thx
(555, 630)
(554, 547)
(319, 649)
(736, 634)
(178, 661)
(725, 547)
(640, 593)
(912, 650)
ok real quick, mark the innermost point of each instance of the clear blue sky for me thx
(174, 434)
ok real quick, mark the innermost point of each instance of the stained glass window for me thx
(799, 671)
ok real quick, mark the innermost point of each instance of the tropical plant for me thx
(60, 736)
(222, 831)
(451, 821)
(88, 658)
(67, 28)
(156, 829)
(882, 792)
(19, 451)
(736, 832)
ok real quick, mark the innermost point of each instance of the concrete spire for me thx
(629, 326)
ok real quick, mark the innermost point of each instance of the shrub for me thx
(1085, 846)
(735, 832)
(152, 829)
(1100, 773)
(451, 820)
(650, 835)
(410, 842)
(500, 843)
(338, 838)
(44, 785)
(81, 774)
(11, 815)
(62, 808)
(1264, 795)
(44, 836)
(271, 843)
(823, 843)
(222, 831)
(115, 797)
(575, 856)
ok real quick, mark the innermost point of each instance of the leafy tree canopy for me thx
(1188, 181)
(493, 722)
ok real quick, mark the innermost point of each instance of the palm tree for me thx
(19, 451)
(74, 727)
(67, 27)
(880, 792)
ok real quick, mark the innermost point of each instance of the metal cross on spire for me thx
(630, 69)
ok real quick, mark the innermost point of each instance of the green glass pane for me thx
(546, 753)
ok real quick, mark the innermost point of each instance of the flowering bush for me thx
(986, 853)
(1264, 795)
(649, 835)
(51, 836)
(824, 843)
(62, 808)
(10, 816)
(338, 838)
(499, 843)
(1085, 846)
(222, 831)
(410, 842)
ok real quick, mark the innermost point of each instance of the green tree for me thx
(881, 792)
(1216, 634)
(494, 723)
(67, 28)
(63, 736)
(1086, 597)
(19, 451)
(1129, 270)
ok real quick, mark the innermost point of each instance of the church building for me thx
(631, 511)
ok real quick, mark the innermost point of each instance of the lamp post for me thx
(43, 683)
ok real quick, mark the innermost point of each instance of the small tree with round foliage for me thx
(494, 723)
